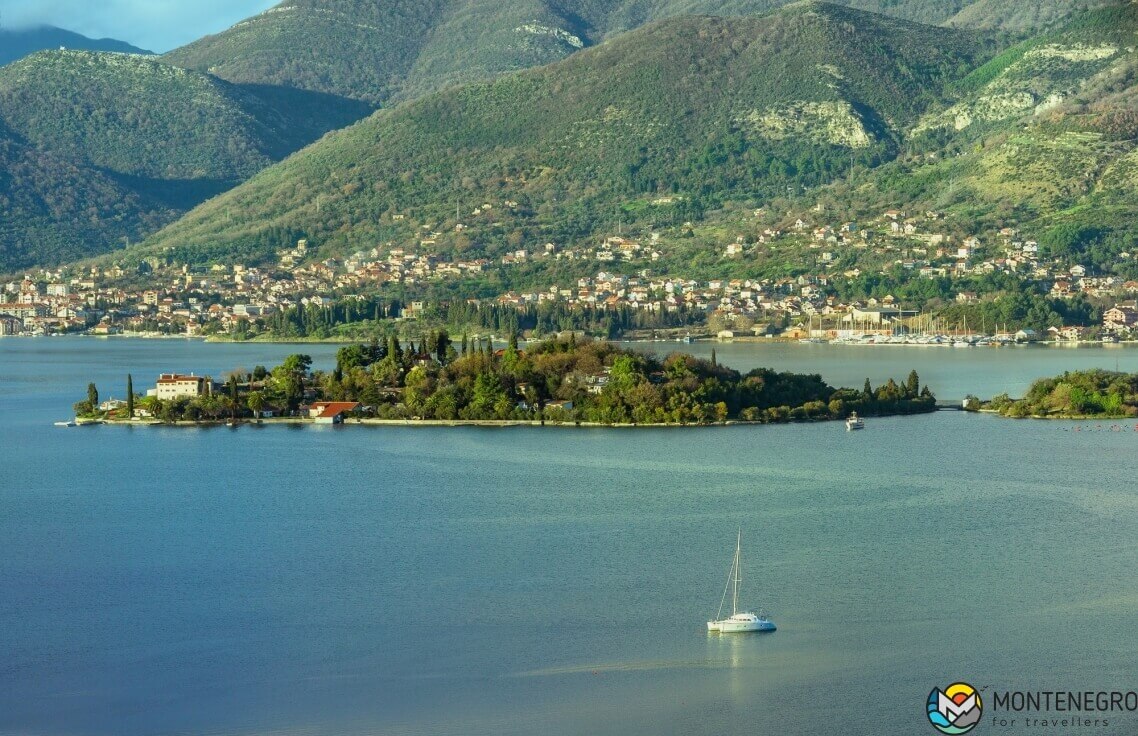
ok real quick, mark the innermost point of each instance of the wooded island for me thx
(559, 380)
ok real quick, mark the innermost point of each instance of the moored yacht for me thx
(738, 621)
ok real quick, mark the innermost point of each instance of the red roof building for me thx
(330, 412)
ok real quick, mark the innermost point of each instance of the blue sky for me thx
(158, 25)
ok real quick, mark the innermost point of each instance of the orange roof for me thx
(332, 408)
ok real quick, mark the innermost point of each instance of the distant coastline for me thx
(711, 340)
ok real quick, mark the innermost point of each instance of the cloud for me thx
(158, 25)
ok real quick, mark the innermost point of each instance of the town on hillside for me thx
(836, 297)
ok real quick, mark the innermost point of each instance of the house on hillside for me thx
(1120, 317)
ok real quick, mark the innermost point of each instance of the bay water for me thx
(458, 580)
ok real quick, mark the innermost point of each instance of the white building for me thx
(175, 386)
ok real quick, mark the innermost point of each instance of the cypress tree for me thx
(233, 396)
(129, 397)
(913, 385)
(714, 362)
(442, 343)
(93, 396)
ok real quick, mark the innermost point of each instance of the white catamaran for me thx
(739, 620)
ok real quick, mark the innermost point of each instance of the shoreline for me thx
(743, 339)
(308, 421)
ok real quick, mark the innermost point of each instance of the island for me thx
(565, 380)
(1090, 394)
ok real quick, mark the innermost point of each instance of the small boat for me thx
(738, 621)
(853, 421)
(66, 423)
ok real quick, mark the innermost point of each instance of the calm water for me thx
(469, 580)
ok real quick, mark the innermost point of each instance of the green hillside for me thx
(120, 144)
(134, 115)
(384, 51)
(699, 107)
(1017, 15)
(1045, 134)
(661, 124)
(52, 210)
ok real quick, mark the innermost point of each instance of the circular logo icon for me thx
(956, 709)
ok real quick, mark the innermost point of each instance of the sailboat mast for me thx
(735, 593)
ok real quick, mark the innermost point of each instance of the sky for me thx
(156, 25)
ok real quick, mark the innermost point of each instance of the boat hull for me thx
(740, 625)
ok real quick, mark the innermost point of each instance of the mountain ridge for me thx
(405, 50)
(17, 43)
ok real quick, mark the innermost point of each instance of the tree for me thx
(129, 397)
(713, 358)
(92, 396)
(297, 363)
(442, 346)
(912, 385)
(233, 396)
(256, 402)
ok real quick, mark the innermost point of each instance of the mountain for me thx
(147, 139)
(16, 44)
(696, 107)
(167, 140)
(1045, 135)
(395, 51)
